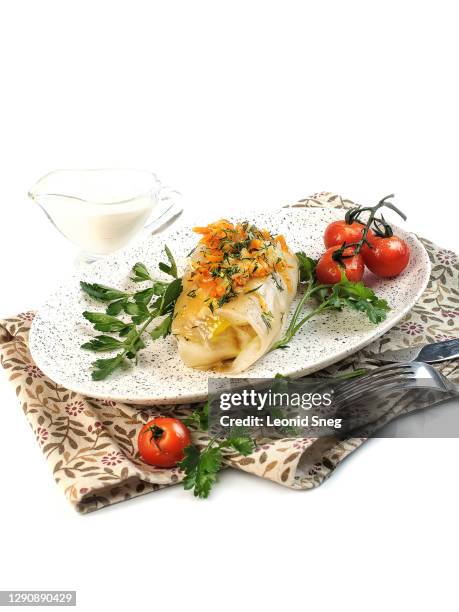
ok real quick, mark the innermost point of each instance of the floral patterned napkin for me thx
(90, 444)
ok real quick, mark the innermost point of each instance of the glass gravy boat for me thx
(99, 210)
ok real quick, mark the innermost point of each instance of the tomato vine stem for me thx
(353, 215)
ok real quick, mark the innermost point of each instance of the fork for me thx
(405, 376)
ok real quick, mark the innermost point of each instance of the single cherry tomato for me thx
(162, 440)
(387, 256)
(328, 270)
(338, 232)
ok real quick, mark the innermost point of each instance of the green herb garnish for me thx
(143, 307)
(267, 318)
(202, 466)
(331, 297)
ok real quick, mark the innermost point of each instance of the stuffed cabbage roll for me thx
(237, 292)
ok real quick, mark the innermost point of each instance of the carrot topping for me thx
(230, 255)
(281, 240)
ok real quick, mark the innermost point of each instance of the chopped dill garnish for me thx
(267, 317)
(253, 290)
(229, 256)
(276, 281)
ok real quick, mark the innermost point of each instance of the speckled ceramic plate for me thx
(160, 376)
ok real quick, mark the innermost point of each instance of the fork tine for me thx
(386, 385)
(377, 380)
(403, 375)
(392, 367)
(374, 375)
(373, 378)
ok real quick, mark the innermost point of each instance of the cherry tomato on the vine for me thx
(162, 441)
(340, 231)
(328, 270)
(387, 257)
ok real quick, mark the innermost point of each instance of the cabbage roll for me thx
(237, 292)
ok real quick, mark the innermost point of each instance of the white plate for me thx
(160, 376)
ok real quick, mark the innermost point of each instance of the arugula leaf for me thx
(358, 290)
(140, 273)
(99, 344)
(343, 294)
(163, 329)
(102, 292)
(103, 322)
(169, 269)
(374, 309)
(358, 297)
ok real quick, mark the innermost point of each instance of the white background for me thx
(234, 103)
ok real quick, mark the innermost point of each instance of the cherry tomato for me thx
(338, 232)
(328, 271)
(387, 257)
(162, 440)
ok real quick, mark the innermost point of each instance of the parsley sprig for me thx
(142, 308)
(344, 294)
(202, 466)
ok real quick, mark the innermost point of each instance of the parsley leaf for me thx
(103, 322)
(306, 266)
(163, 329)
(201, 469)
(101, 292)
(140, 273)
(105, 367)
(138, 311)
(242, 444)
(145, 295)
(168, 299)
(138, 307)
(115, 308)
(199, 418)
(169, 269)
(99, 344)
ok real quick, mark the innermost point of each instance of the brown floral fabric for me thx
(90, 444)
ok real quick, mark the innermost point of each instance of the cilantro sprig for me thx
(202, 466)
(344, 294)
(141, 307)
